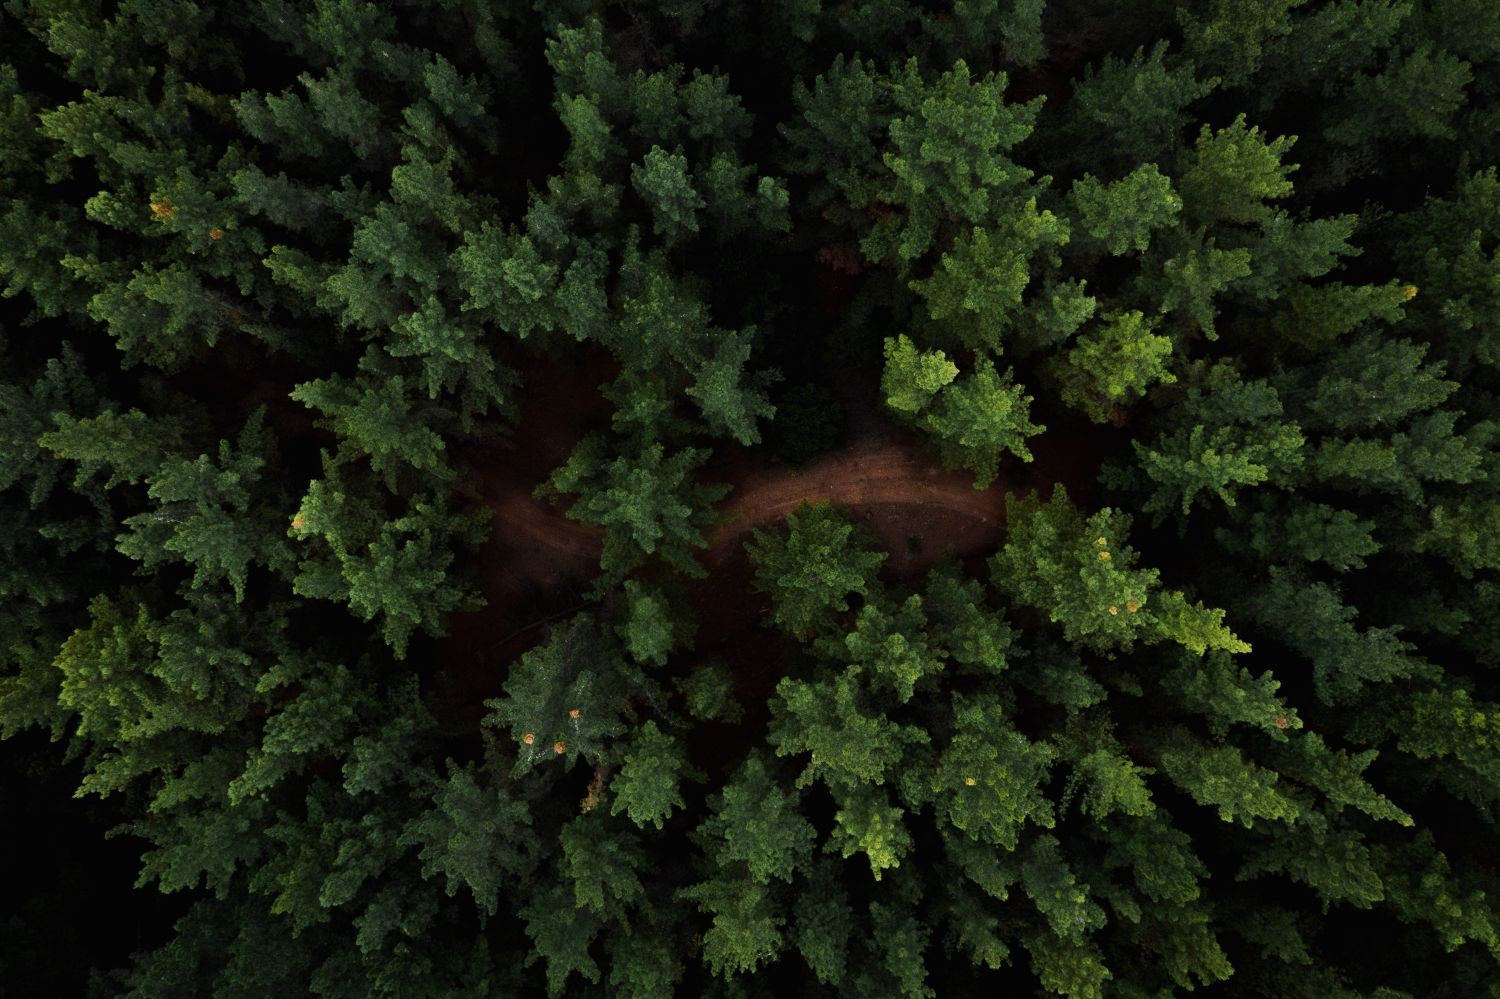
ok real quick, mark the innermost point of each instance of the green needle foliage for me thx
(399, 548)
(812, 570)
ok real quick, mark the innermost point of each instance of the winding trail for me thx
(537, 559)
(891, 475)
(882, 476)
(538, 563)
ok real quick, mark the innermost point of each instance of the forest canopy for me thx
(691, 497)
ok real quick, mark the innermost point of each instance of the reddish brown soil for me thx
(891, 479)
(915, 511)
(538, 564)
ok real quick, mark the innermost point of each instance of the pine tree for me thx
(977, 418)
(646, 789)
(394, 568)
(989, 777)
(1081, 574)
(1230, 37)
(1123, 214)
(1232, 172)
(473, 837)
(1230, 434)
(811, 572)
(948, 157)
(1138, 104)
(647, 504)
(913, 377)
(1113, 364)
(569, 698)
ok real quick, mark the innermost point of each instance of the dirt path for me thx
(887, 475)
(537, 562)
(886, 479)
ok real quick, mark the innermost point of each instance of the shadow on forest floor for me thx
(538, 563)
